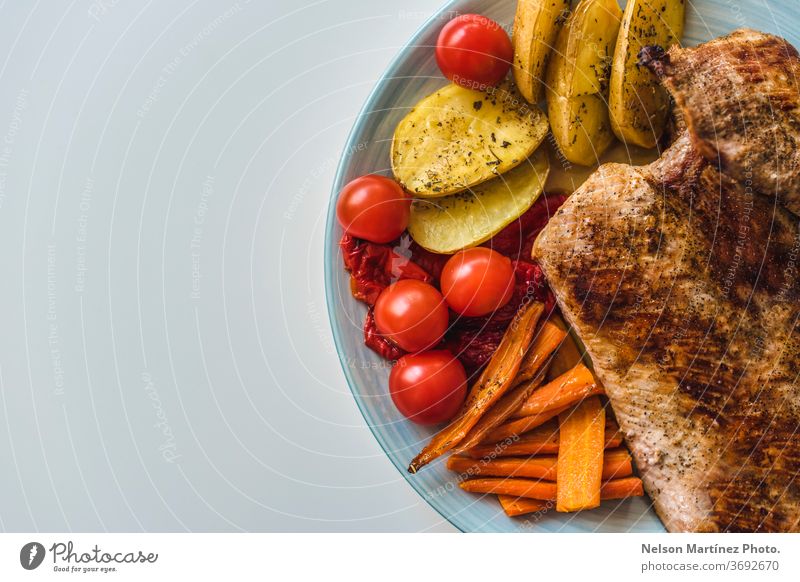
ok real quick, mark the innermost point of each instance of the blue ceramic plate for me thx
(412, 75)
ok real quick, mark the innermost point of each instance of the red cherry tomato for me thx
(474, 51)
(428, 388)
(375, 208)
(412, 314)
(477, 281)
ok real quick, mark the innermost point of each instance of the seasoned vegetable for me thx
(569, 388)
(503, 409)
(546, 490)
(614, 489)
(638, 104)
(518, 426)
(548, 338)
(515, 506)
(577, 81)
(536, 25)
(580, 455)
(466, 219)
(567, 357)
(622, 488)
(543, 467)
(616, 464)
(458, 138)
(495, 380)
(540, 441)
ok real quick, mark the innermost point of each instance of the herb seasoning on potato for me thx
(469, 218)
(536, 25)
(638, 104)
(577, 81)
(457, 138)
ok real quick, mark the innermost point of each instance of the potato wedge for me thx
(577, 81)
(451, 223)
(536, 25)
(458, 138)
(638, 104)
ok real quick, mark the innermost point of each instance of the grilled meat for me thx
(740, 99)
(683, 286)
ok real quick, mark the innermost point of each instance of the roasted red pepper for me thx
(516, 240)
(376, 342)
(373, 267)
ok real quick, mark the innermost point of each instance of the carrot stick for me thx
(522, 425)
(549, 337)
(571, 387)
(580, 455)
(514, 506)
(616, 464)
(622, 488)
(495, 380)
(546, 490)
(540, 441)
(534, 467)
(496, 415)
(567, 357)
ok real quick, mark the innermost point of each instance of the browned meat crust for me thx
(739, 97)
(683, 286)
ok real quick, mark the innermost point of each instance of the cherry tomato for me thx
(428, 388)
(477, 281)
(375, 208)
(474, 51)
(412, 314)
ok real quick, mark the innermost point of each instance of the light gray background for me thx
(166, 361)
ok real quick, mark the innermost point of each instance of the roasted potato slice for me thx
(638, 104)
(466, 219)
(581, 127)
(536, 25)
(577, 81)
(458, 138)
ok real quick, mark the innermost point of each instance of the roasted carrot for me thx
(540, 441)
(616, 464)
(529, 377)
(569, 388)
(622, 488)
(516, 427)
(580, 455)
(495, 380)
(549, 337)
(498, 413)
(546, 490)
(515, 506)
(533, 488)
(534, 467)
(567, 357)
